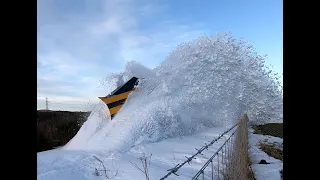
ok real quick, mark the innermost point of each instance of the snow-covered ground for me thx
(63, 164)
(203, 87)
(264, 171)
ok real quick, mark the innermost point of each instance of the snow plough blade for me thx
(117, 98)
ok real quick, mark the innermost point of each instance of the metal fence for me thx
(229, 162)
(222, 156)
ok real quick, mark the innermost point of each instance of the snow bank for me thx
(264, 171)
(60, 164)
(97, 120)
(209, 82)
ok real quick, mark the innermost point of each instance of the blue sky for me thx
(81, 41)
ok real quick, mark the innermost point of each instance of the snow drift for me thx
(209, 82)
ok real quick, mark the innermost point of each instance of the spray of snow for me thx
(209, 82)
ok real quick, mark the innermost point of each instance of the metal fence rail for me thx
(210, 160)
(232, 156)
(199, 151)
(232, 160)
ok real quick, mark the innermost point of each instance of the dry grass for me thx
(272, 129)
(272, 150)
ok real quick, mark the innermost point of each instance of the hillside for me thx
(56, 128)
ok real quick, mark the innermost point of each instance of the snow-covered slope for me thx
(64, 164)
(204, 84)
(269, 171)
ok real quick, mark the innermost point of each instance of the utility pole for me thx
(47, 104)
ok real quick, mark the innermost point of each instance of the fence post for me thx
(212, 169)
(218, 166)
(222, 157)
(225, 153)
(203, 175)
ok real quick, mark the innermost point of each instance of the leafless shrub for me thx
(103, 169)
(145, 165)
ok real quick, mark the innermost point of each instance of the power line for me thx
(68, 104)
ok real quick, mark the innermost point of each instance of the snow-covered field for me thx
(201, 89)
(62, 164)
(264, 171)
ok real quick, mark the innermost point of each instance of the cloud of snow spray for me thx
(209, 82)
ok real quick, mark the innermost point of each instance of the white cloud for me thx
(86, 43)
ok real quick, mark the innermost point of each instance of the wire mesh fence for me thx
(199, 151)
(230, 162)
(238, 167)
(216, 165)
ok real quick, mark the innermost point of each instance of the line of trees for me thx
(56, 128)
